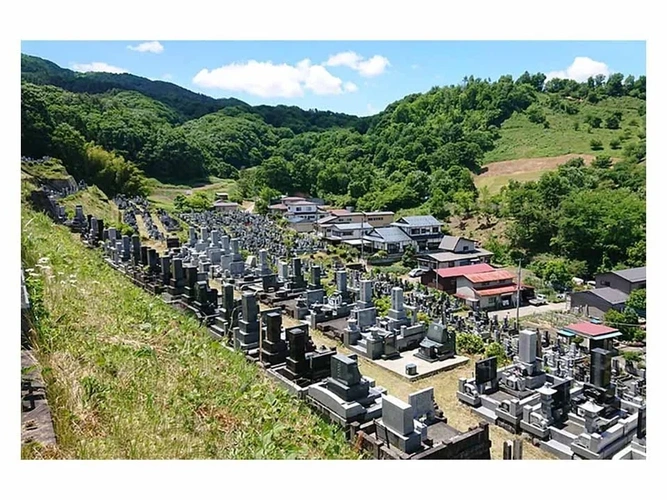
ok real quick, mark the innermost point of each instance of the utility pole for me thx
(363, 219)
(518, 297)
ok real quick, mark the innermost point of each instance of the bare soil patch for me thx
(523, 165)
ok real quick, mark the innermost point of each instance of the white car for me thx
(415, 273)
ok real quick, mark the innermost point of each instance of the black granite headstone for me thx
(641, 423)
(600, 368)
(144, 255)
(486, 370)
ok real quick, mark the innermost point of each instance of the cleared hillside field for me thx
(498, 174)
(520, 138)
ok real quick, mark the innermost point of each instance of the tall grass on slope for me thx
(130, 378)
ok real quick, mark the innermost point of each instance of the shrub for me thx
(596, 144)
(469, 343)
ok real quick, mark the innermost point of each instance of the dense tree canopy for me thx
(421, 153)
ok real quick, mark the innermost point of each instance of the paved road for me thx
(529, 310)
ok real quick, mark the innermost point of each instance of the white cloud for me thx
(350, 87)
(415, 66)
(154, 47)
(100, 67)
(373, 66)
(167, 77)
(265, 79)
(581, 69)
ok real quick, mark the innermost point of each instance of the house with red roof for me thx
(445, 279)
(495, 289)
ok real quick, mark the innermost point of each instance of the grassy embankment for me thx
(129, 377)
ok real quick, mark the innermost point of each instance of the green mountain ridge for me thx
(188, 104)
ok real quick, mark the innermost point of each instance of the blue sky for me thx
(351, 77)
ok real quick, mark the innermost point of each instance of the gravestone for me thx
(144, 255)
(126, 247)
(297, 365)
(248, 336)
(273, 347)
(165, 264)
(486, 370)
(215, 237)
(600, 374)
(397, 427)
(152, 259)
(100, 230)
(173, 242)
(423, 404)
(136, 249)
(527, 346)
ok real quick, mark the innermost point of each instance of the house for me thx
(299, 224)
(349, 231)
(611, 291)
(490, 290)
(445, 279)
(225, 206)
(625, 280)
(425, 230)
(296, 206)
(454, 251)
(598, 301)
(390, 239)
(593, 335)
(343, 216)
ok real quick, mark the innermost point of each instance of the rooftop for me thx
(339, 212)
(326, 220)
(496, 275)
(610, 295)
(378, 213)
(351, 226)
(449, 242)
(455, 272)
(388, 235)
(634, 275)
(278, 206)
(451, 256)
(418, 220)
(590, 329)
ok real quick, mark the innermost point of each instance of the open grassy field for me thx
(520, 138)
(128, 377)
(162, 195)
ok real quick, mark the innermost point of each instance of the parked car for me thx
(415, 273)
(539, 300)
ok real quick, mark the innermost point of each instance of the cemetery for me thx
(329, 382)
(573, 404)
(571, 414)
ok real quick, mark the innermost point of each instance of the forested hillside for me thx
(421, 153)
